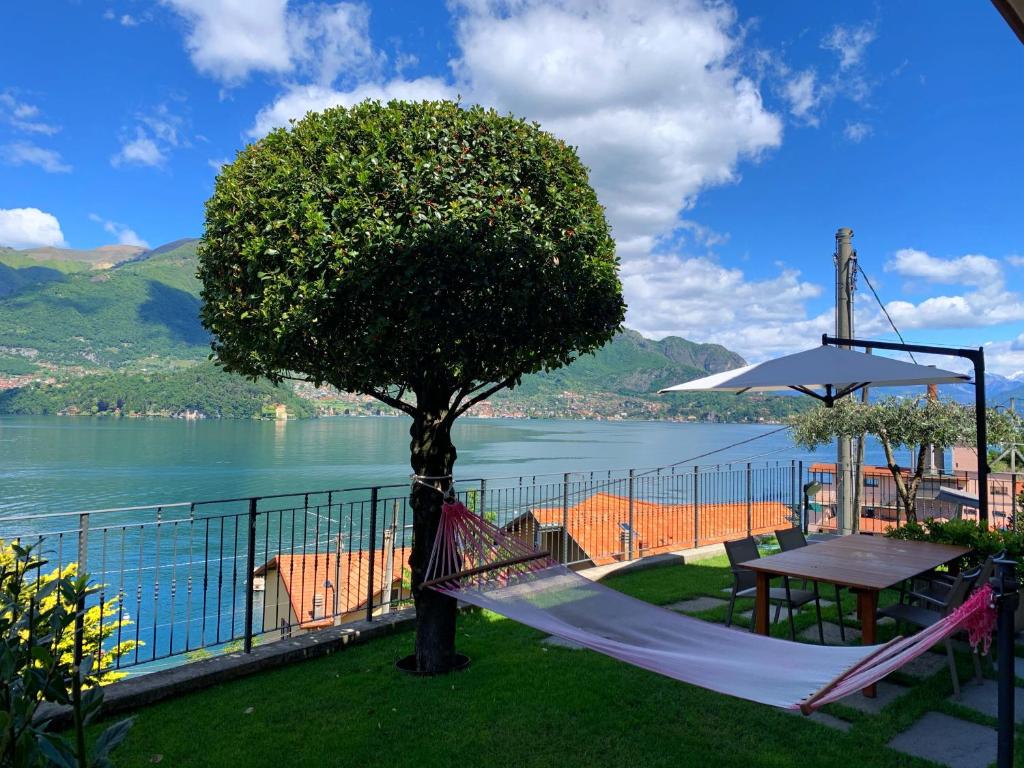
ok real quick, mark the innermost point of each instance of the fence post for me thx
(750, 501)
(696, 507)
(250, 567)
(565, 518)
(632, 521)
(83, 565)
(480, 503)
(1013, 501)
(371, 565)
(804, 501)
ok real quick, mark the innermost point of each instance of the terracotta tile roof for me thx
(596, 524)
(869, 470)
(304, 576)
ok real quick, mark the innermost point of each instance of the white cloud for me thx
(124, 234)
(218, 163)
(229, 39)
(990, 303)
(29, 228)
(24, 153)
(804, 96)
(141, 150)
(849, 43)
(127, 20)
(647, 91)
(857, 132)
(698, 298)
(19, 115)
(297, 100)
(157, 132)
(971, 269)
(1015, 261)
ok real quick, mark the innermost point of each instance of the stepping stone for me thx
(886, 694)
(884, 621)
(783, 618)
(824, 719)
(982, 698)
(561, 642)
(948, 741)
(697, 604)
(831, 634)
(925, 666)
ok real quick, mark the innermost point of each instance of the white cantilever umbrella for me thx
(826, 373)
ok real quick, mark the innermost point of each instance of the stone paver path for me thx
(948, 741)
(886, 694)
(925, 666)
(697, 604)
(561, 642)
(831, 634)
(982, 698)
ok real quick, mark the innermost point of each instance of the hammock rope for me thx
(475, 561)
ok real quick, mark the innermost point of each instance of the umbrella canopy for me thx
(837, 372)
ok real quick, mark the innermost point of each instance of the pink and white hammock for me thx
(478, 563)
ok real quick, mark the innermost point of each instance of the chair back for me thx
(960, 589)
(790, 538)
(739, 552)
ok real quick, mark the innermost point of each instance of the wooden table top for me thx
(864, 562)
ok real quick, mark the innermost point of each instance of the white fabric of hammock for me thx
(768, 670)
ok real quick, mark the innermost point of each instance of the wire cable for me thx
(884, 310)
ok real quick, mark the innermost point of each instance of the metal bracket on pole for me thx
(1005, 585)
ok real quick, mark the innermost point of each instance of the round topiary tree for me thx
(426, 254)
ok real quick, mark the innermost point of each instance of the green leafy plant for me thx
(426, 254)
(965, 533)
(39, 617)
(902, 423)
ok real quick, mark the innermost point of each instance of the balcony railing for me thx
(187, 579)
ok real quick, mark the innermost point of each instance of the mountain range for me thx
(127, 310)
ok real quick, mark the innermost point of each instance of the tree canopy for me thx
(913, 423)
(382, 247)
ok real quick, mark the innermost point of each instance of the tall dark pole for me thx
(1005, 586)
(982, 437)
(846, 268)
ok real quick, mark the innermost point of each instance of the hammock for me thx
(482, 565)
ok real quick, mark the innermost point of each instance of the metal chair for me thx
(933, 607)
(793, 538)
(744, 584)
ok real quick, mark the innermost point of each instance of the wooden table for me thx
(864, 564)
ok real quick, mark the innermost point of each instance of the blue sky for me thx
(727, 141)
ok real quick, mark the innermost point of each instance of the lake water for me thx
(50, 464)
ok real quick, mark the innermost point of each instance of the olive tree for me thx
(426, 254)
(913, 423)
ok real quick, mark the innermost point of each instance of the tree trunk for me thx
(433, 456)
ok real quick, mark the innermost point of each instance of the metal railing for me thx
(183, 580)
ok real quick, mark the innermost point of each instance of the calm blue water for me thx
(63, 463)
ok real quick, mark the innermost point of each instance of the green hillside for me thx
(144, 310)
(201, 388)
(141, 316)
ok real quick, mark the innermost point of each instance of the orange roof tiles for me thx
(304, 576)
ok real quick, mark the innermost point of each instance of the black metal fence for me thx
(185, 580)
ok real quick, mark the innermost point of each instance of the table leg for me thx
(762, 604)
(867, 605)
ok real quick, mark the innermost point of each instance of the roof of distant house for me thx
(305, 576)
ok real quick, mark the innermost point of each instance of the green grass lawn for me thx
(520, 703)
